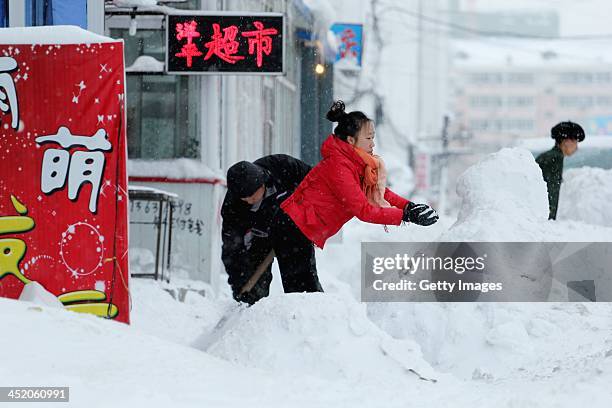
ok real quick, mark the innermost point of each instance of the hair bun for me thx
(336, 112)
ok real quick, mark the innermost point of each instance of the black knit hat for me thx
(245, 178)
(567, 130)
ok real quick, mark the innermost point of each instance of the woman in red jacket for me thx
(345, 184)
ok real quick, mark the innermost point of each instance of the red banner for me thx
(63, 184)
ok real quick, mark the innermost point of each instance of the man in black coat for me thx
(254, 225)
(566, 136)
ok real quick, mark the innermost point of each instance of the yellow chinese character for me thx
(12, 250)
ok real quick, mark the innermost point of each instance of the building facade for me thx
(504, 90)
(184, 131)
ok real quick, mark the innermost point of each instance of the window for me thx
(486, 101)
(502, 125)
(576, 78)
(486, 78)
(520, 101)
(163, 118)
(581, 102)
(519, 78)
(4, 13)
(602, 78)
(518, 125)
(56, 12)
(604, 100)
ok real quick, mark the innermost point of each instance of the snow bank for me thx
(109, 364)
(299, 338)
(586, 195)
(503, 197)
(34, 292)
(317, 333)
(50, 35)
(159, 311)
(490, 341)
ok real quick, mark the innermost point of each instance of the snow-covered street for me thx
(170, 168)
(329, 349)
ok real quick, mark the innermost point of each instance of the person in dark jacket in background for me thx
(566, 136)
(253, 226)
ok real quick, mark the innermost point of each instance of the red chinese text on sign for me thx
(224, 45)
(347, 43)
(189, 50)
(63, 194)
(260, 41)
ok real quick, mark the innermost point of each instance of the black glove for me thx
(420, 214)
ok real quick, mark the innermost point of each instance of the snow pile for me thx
(34, 292)
(50, 35)
(339, 265)
(503, 197)
(586, 195)
(109, 364)
(552, 355)
(174, 311)
(489, 341)
(322, 335)
(146, 63)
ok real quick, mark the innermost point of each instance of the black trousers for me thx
(294, 254)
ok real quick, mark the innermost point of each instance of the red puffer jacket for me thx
(331, 195)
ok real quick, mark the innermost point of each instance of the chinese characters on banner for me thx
(63, 200)
(225, 43)
(422, 171)
(349, 38)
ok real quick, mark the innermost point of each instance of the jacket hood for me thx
(333, 147)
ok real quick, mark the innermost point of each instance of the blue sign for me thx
(349, 38)
(600, 125)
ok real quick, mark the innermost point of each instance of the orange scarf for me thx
(374, 178)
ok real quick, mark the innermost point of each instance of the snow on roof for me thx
(530, 53)
(146, 63)
(146, 189)
(174, 169)
(134, 3)
(50, 35)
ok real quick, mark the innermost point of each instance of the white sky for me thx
(577, 16)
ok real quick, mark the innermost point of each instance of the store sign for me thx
(63, 200)
(349, 38)
(227, 43)
(422, 171)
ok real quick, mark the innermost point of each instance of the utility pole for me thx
(419, 67)
(444, 167)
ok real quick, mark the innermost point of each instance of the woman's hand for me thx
(420, 214)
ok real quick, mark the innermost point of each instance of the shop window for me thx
(162, 110)
(162, 116)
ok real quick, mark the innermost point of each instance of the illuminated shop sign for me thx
(227, 43)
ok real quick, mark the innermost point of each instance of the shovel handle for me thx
(258, 272)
